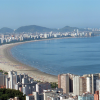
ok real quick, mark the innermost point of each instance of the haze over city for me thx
(50, 13)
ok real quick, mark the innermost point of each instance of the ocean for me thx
(68, 55)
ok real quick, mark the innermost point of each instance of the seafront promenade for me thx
(8, 63)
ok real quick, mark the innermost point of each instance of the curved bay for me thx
(70, 55)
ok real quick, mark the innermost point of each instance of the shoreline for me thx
(7, 60)
(8, 63)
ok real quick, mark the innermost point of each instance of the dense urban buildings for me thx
(12, 37)
(65, 81)
(83, 86)
(70, 86)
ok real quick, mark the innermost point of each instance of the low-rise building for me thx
(86, 96)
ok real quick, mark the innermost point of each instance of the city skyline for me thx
(51, 14)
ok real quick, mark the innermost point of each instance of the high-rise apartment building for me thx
(11, 80)
(71, 82)
(65, 81)
(2, 80)
(77, 31)
(79, 85)
(92, 81)
(76, 85)
(89, 84)
(24, 83)
(82, 85)
(97, 84)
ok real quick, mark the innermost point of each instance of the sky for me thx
(50, 13)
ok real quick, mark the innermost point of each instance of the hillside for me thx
(70, 29)
(67, 29)
(6, 30)
(34, 28)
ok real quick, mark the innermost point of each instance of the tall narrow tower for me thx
(77, 31)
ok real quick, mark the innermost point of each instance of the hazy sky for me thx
(50, 13)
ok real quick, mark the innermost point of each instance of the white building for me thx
(45, 35)
(11, 80)
(89, 83)
(76, 85)
(20, 82)
(97, 84)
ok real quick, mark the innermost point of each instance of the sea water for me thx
(69, 55)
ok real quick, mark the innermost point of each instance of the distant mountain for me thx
(70, 29)
(67, 29)
(6, 30)
(33, 28)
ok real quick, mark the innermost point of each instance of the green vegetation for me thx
(1, 71)
(5, 29)
(37, 81)
(70, 29)
(5, 94)
(5, 73)
(35, 28)
(54, 84)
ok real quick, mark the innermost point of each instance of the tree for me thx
(54, 84)
(5, 94)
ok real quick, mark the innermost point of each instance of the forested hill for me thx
(5, 30)
(70, 29)
(35, 28)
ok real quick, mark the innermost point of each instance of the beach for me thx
(9, 63)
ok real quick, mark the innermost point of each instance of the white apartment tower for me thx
(77, 31)
(97, 84)
(89, 83)
(11, 80)
(45, 35)
(76, 85)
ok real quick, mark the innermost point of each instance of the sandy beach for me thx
(8, 63)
